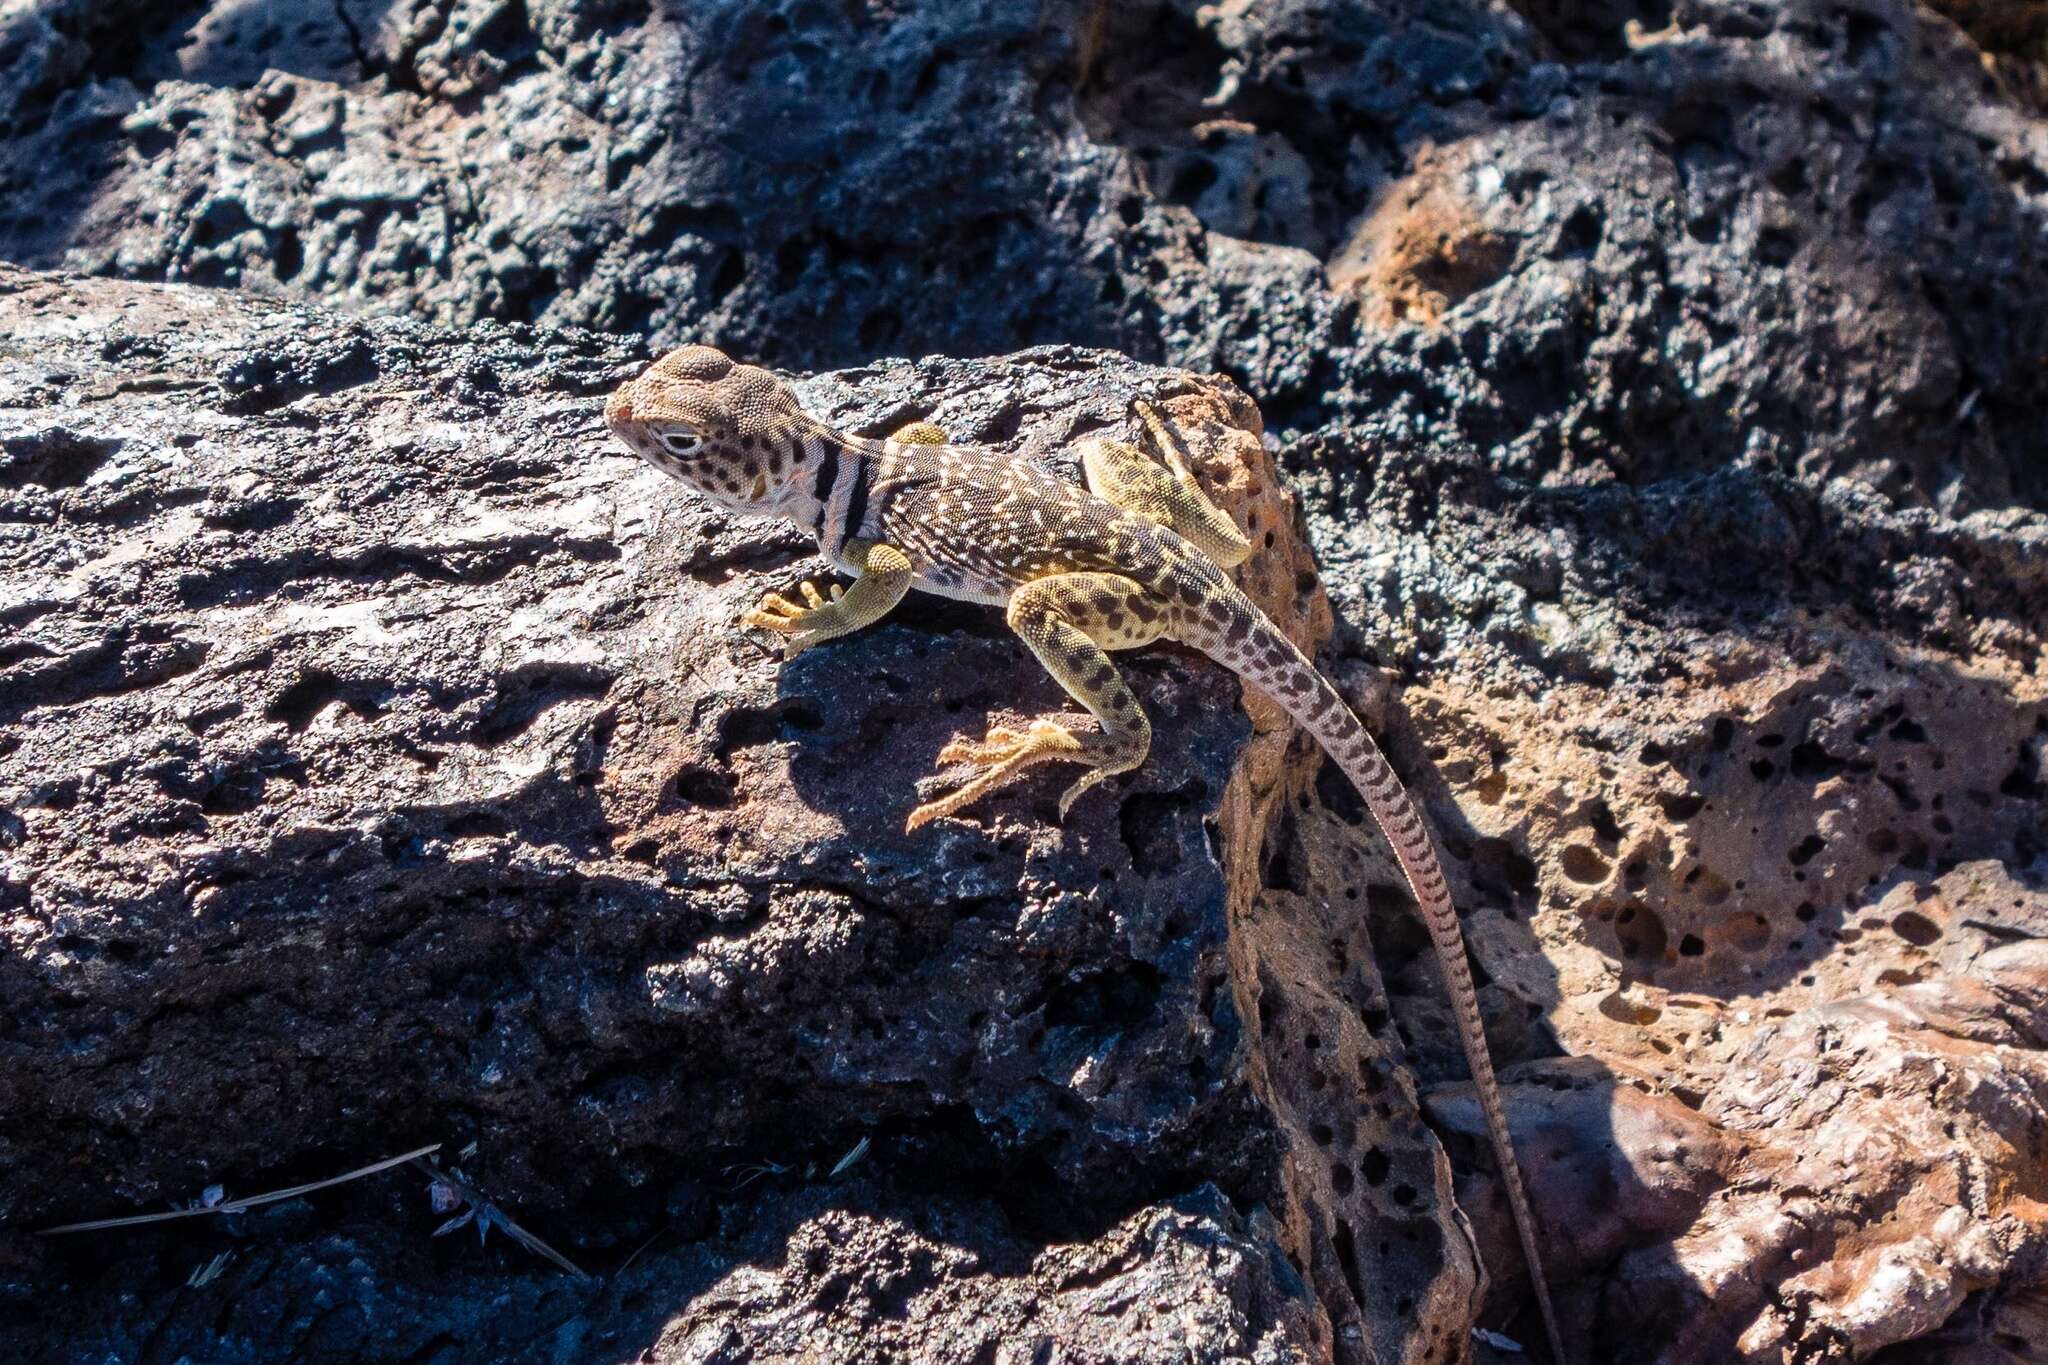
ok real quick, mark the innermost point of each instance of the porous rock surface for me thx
(1664, 381)
(1685, 233)
(382, 765)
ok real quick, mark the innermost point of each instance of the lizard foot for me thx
(803, 625)
(1003, 754)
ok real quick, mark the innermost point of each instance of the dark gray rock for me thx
(1804, 237)
(379, 764)
(853, 1270)
(1799, 238)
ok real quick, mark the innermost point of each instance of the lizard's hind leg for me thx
(920, 434)
(1070, 621)
(1123, 475)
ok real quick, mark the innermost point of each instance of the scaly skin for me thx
(1137, 556)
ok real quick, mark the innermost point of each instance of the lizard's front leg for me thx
(1070, 621)
(884, 578)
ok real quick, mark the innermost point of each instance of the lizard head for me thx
(732, 432)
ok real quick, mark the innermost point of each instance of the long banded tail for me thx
(1250, 645)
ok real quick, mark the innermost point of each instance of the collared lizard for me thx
(1136, 556)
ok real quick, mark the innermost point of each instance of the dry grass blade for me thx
(211, 1271)
(636, 1254)
(237, 1205)
(493, 1216)
(851, 1159)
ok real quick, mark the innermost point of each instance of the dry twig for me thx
(237, 1205)
(486, 1216)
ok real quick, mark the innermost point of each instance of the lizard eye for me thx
(680, 442)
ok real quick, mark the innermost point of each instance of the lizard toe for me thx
(1080, 785)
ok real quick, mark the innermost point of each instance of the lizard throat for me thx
(836, 504)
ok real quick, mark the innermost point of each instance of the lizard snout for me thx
(618, 410)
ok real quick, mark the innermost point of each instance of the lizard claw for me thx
(1081, 784)
(998, 744)
(800, 624)
(1002, 754)
(776, 612)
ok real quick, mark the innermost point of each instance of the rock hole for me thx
(731, 273)
(1500, 868)
(475, 824)
(1748, 931)
(1284, 864)
(1811, 763)
(1789, 177)
(1193, 177)
(56, 457)
(1119, 998)
(1347, 1255)
(699, 784)
(1641, 934)
(747, 727)
(527, 692)
(305, 699)
(1583, 865)
(1916, 928)
(1581, 231)
(1681, 808)
(1776, 246)
(2024, 781)
(1338, 796)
